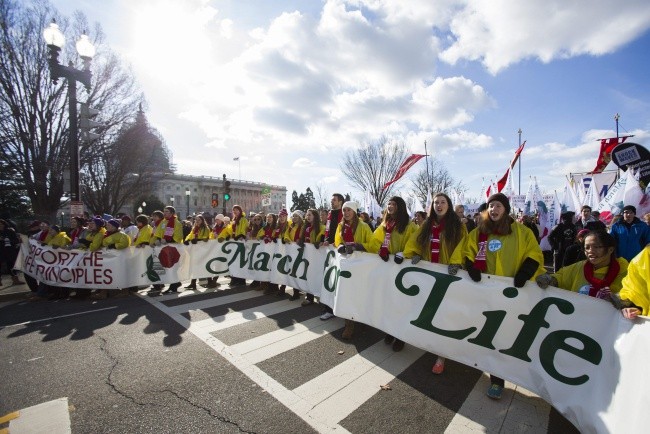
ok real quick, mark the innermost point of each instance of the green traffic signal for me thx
(226, 196)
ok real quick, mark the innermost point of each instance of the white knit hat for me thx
(352, 205)
(299, 214)
(219, 217)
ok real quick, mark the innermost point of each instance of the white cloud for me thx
(303, 162)
(502, 32)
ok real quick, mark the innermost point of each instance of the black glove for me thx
(473, 272)
(275, 240)
(383, 253)
(205, 240)
(415, 259)
(300, 243)
(316, 245)
(228, 238)
(186, 242)
(341, 249)
(284, 241)
(84, 242)
(194, 241)
(359, 247)
(398, 258)
(619, 303)
(526, 271)
(111, 246)
(240, 237)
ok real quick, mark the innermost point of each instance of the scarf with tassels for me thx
(436, 230)
(596, 283)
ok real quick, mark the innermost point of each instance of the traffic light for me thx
(226, 189)
(86, 123)
(215, 200)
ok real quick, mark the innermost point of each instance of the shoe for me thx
(307, 302)
(295, 296)
(172, 288)
(398, 345)
(349, 329)
(254, 284)
(153, 293)
(439, 366)
(495, 391)
(191, 286)
(388, 339)
(326, 316)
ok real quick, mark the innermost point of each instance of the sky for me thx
(290, 86)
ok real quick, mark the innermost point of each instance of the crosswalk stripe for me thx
(514, 412)
(213, 302)
(349, 398)
(277, 342)
(236, 318)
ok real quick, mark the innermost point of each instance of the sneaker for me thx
(307, 302)
(495, 391)
(438, 367)
(295, 296)
(398, 345)
(388, 339)
(326, 316)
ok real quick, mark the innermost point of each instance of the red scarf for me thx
(296, 236)
(434, 245)
(308, 233)
(43, 235)
(217, 229)
(75, 234)
(347, 233)
(278, 231)
(596, 283)
(329, 222)
(388, 229)
(169, 229)
(479, 261)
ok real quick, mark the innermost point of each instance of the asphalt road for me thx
(249, 363)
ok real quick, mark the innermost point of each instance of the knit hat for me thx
(283, 211)
(582, 233)
(352, 205)
(114, 222)
(299, 214)
(34, 224)
(500, 197)
(226, 219)
(99, 222)
(219, 217)
(629, 208)
(126, 217)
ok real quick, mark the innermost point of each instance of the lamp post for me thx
(55, 41)
(171, 199)
(187, 196)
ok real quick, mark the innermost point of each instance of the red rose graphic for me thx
(168, 256)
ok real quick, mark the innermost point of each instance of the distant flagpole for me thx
(519, 132)
(237, 159)
(426, 159)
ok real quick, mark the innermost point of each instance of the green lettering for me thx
(533, 322)
(556, 341)
(431, 306)
(493, 320)
(297, 263)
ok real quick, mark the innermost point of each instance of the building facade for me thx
(194, 195)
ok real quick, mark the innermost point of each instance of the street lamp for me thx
(139, 210)
(55, 40)
(187, 195)
(171, 199)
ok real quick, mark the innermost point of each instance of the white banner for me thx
(576, 352)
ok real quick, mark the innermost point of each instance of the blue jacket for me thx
(630, 238)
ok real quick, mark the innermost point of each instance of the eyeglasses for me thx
(590, 247)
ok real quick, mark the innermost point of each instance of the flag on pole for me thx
(605, 155)
(501, 183)
(235, 159)
(406, 165)
(592, 198)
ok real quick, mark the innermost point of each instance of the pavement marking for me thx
(52, 417)
(58, 317)
(231, 319)
(277, 342)
(518, 410)
(213, 302)
(326, 400)
(346, 400)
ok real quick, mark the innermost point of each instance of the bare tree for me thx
(125, 168)
(321, 195)
(33, 110)
(436, 180)
(372, 165)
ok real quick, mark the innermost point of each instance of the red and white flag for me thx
(606, 148)
(406, 165)
(501, 183)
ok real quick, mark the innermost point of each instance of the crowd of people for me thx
(587, 258)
